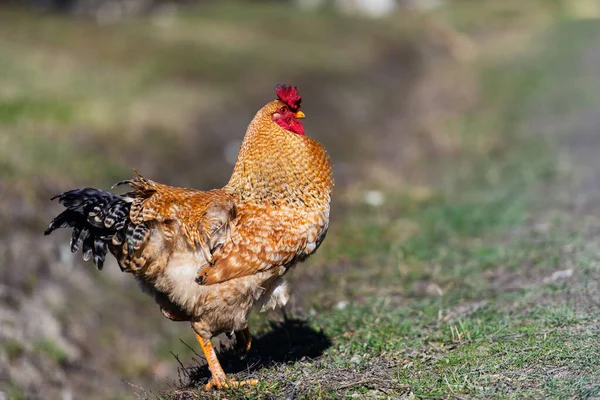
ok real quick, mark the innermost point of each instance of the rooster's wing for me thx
(263, 237)
(170, 219)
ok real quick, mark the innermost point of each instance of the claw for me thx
(229, 383)
(218, 380)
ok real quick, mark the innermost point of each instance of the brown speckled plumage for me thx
(209, 256)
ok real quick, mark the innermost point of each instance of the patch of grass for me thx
(13, 349)
(13, 392)
(15, 110)
(51, 350)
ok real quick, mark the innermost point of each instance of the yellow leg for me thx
(218, 380)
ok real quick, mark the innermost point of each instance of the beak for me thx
(299, 115)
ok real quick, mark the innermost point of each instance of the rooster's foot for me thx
(223, 383)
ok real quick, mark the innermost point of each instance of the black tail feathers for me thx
(96, 216)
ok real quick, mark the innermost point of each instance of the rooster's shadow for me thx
(286, 342)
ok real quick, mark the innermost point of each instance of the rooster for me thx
(209, 257)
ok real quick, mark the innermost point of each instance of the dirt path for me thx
(576, 128)
(567, 116)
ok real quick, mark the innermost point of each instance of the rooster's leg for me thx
(243, 340)
(219, 379)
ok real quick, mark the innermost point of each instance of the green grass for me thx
(13, 392)
(13, 349)
(50, 349)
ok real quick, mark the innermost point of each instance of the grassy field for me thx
(476, 277)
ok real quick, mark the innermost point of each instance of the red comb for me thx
(289, 95)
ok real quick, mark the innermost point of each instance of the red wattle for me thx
(292, 125)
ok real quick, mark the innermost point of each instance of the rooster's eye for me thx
(282, 110)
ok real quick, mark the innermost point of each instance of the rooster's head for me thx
(288, 115)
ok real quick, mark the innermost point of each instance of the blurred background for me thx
(408, 96)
